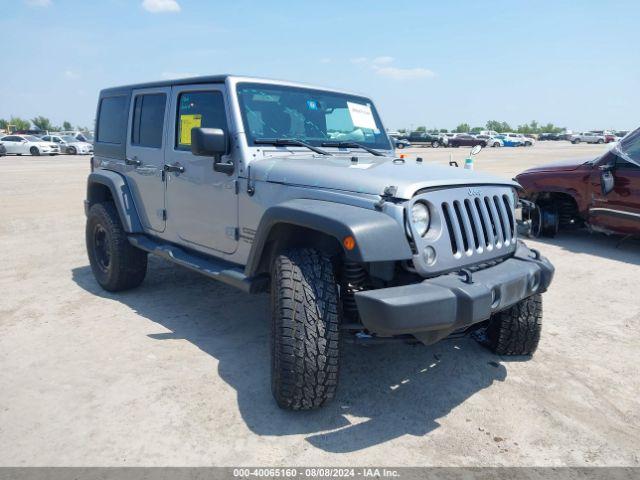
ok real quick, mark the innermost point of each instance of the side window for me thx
(148, 120)
(111, 119)
(195, 110)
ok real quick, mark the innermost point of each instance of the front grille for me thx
(479, 224)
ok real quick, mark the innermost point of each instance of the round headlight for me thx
(420, 218)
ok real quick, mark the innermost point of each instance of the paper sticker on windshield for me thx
(187, 122)
(361, 115)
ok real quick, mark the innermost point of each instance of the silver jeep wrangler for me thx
(277, 187)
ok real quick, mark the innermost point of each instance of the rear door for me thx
(202, 204)
(146, 138)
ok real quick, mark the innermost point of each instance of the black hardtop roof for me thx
(166, 83)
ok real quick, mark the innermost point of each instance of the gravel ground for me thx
(177, 371)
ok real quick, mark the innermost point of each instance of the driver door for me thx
(618, 210)
(202, 204)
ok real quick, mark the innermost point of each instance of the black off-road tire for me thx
(516, 331)
(116, 264)
(305, 330)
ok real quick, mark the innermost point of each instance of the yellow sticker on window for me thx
(187, 122)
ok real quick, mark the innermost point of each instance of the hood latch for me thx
(388, 193)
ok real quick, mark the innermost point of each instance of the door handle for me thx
(176, 167)
(133, 161)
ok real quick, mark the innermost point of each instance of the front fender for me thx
(378, 236)
(120, 194)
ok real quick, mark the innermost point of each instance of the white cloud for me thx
(382, 60)
(38, 3)
(383, 67)
(174, 75)
(161, 6)
(403, 73)
(71, 75)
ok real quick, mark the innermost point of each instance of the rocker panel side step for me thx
(220, 270)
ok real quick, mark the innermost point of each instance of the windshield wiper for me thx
(281, 142)
(352, 145)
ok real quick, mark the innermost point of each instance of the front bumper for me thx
(435, 307)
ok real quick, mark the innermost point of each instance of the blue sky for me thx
(424, 63)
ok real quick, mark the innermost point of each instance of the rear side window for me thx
(148, 120)
(112, 119)
(195, 110)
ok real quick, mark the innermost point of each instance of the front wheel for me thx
(576, 141)
(516, 331)
(435, 144)
(34, 151)
(496, 144)
(116, 264)
(400, 146)
(600, 141)
(305, 335)
(72, 151)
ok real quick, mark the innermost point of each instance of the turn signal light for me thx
(349, 243)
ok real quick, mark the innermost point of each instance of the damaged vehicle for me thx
(602, 194)
(295, 191)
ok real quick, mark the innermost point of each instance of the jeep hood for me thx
(368, 175)
(561, 166)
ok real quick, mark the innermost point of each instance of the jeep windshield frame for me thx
(312, 116)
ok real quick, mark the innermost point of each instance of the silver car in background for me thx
(69, 144)
(587, 137)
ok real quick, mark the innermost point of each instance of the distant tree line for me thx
(40, 122)
(500, 127)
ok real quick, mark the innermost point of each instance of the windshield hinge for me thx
(250, 188)
(388, 194)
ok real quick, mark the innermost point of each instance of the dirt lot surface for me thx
(177, 371)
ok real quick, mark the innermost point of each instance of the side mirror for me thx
(211, 142)
(607, 180)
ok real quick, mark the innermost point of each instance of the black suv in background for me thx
(423, 138)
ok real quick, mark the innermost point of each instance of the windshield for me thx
(629, 147)
(69, 139)
(313, 116)
(31, 138)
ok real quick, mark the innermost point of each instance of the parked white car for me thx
(587, 137)
(69, 144)
(28, 145)
(82, 136)
(525, 141)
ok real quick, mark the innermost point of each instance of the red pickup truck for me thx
(602, 194)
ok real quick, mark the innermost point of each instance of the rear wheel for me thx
(575, 141)
(600, 141)
(34, 151)
(435, 144)
(400, 146)
(305, 335)
(116, 264)
(496, 144)
(516, 331)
